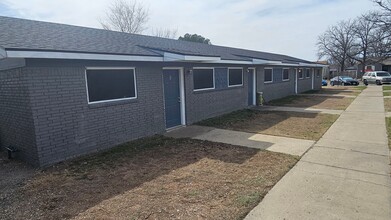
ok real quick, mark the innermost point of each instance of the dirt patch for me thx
(308, 126)
(13, 174)
(318, 102)
(154, 178)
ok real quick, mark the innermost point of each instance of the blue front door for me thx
(172, 100)
(251, 87)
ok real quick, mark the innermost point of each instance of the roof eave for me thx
(194, 58)
(79, 56)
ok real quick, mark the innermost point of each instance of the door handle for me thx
(179, 99)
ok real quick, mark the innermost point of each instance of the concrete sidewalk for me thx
(346, 175)
(298, 109)
(285, 145)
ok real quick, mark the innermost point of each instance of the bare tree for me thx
(384, 15)
(126, 16)
(165, 33)
(337, 43)
(367, 39)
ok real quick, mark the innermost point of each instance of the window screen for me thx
(235, 77)
(268, 75)
(285, 74)
(110, 84)
(301, 75)
(203, 79)
(307, 73)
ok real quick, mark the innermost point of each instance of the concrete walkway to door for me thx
(346, 175)
(285, 145)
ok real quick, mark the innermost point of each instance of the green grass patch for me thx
(250, 199)
(285, 100)
(386, 88)
(360, 88)
(230, 118)
(388, 124)
(311, 92)
(387, 93)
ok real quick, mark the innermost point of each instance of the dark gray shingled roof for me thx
(22, 34)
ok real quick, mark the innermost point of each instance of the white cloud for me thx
(285, 26)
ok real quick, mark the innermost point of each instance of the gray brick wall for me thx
(278, 88)
(16, 121)
(201, 105)
(66, 126)
(44, 109)
(304, 84)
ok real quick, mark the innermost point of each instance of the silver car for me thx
(376, 77)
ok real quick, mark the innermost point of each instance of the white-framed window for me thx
(285, 74)
(203, 78)
(300, 73)
(235, 77)
(108, 84)
(307, 73)
(268, 76)
(318, 73)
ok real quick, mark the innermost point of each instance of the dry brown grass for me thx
(387, 105)
(319, 102)
(309, 126)
(153, 178)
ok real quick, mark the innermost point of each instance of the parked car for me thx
(344, 81)
(376, 77)
(324, 82)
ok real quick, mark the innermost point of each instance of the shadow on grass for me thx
(321, 102)
(70, 188)
(309, 126)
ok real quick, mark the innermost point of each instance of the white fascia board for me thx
(180, 57)
(3, 53)
(260, 61)
(229, 62)
(311, 65)
(80, 56)
(283, 64)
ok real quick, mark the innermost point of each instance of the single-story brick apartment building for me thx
(66, 91)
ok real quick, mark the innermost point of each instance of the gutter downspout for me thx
(313, 74)
(296, 81)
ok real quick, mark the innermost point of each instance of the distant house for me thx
(376, 65)
(66, 91)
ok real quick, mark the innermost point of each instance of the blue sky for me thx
(283, 26)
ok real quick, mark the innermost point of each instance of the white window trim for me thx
(111, 68)
(214, 81)
(298, 73)
(234, 68)
(285, 80)
(308, 74)
(268, 68)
